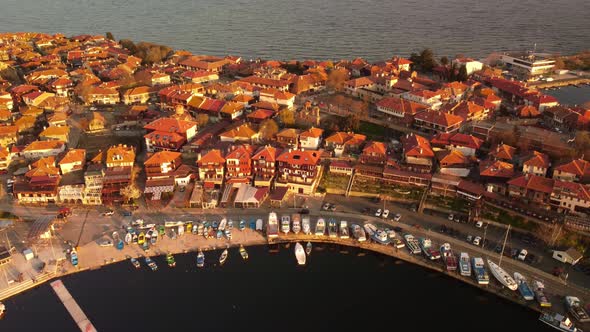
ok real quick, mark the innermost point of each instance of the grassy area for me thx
(371, 186)
(7, 215)
(451, 203)
(372, 131)
(334, 181)
(504, 217)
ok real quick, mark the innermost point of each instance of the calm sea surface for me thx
(334, 292)
(319, 29)
(571, 95)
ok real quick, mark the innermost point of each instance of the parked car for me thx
(451, 217)
(108, 213)
(477, 240)
(326, 206)
(385, 214)
(332, 207)
(522, 254)
(397, 217)
(378, 213)
(479, 224)
(469, 238)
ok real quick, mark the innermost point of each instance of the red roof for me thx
(578, 167)
(170, 125)
(538, 159)
(417, 146)
(299, 157)
(498, 169)
(267, 153)
(533, 182)
(439, 118)
(457, 139)
(400, 105)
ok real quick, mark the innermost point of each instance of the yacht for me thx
(523, 287)
(285, 224)
(426, 246)
(223, 257)
(320, 227)
(200, 259)
(358, 232)
(464, 264)
(152, 265)
(222, 225)
(272, 230)
(370, 229)
(296, 223)
(539, 290)
(380, 236)
(576, 309)
(135, 263)
(412, 243)
(479, 270)
(558, 322)
(300, 254)
(243, 252)
(503, 277)
(344, 229)
(306, 225)
(448, 257)
(332, 228)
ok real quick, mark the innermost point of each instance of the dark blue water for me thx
(571, 95)
(335, 291)
(318, 29)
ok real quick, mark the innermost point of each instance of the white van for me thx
(522, 254)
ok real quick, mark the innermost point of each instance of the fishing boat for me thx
(412, 244)
(344, 229)
(370, 229)
(332, 228)
(2, 310)
(135, 263)
(252, 224)
(358, 232)
(503, 277)
(223, 257)
(228, 234)
(539, 290)
(399, 244)
(576, 309)
(558, 322)
(448, 257)
(196, 227)
(134, 238)
(243, 252)
(464, 264)
(120, 244)
(306, 225)
(128, 238)
(170, 260)
(200, 259)
(154, 238)
(152, 265)
(161, 230)
(230, 225)
(479, 270)
(320, 227)
(300, 254)
(215, 225)
(523, 287)
(390, 233)
(219, 234)
(285, 224)
(141, 238)
(189, 227)
(380, 236)
(260, 223)
(242, 225)
(296, 218)
(308, 248)
(426, 246)
(74, 257)
(222, 225)
(173, 223)
(201, 228)
(272, 228)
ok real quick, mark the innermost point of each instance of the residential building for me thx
(503, 152)
(239, 163)
(120, 156)
(531, 189)
(467, 144)
(97, 122)
(398, 107)
(39, 149)
(437, 122)
(538, 164)
(570, 196)
(527, 64)
(162, 164)
(61, 133)
(5, 158)
(93, 181)
(418, 155)
(137, 95)
(430, 99)
(212, 167)
(98, 95)
(264, 165)
(8, 135)
(168, 134)
(299, 170)
(471, 66)
(288, 137)
(454, 162)
(576, 171)
(311, 139)
(342, 142)
(74, 160)
(374, 153)
(241, 133)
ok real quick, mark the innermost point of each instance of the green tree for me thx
(444, 61)
(268, 128)
(287, 117)
(351, 122)
(428, 61)
(110, 36)
(462, 75)
(128, 45)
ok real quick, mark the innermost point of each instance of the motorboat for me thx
(135, 263)
(300, 254)
(479, 270)
(344, 229)
(150, 263)
(380, 236)
(242, 225)
(134, 238)
(147, 226)
(426, 246)
(358, 233)
(201, 228)
(200, 259)
(243, 252)
(285, 224)
(576, 309)
(449, 258)
(170, 260)
(502, 276)
(272, 230)
(332, 228)
(2, 310)
(228, 234)
(412, 244)
(539, 290)
(259, 223)
(223, 257)
(370, 229)
(296, 218)
(141, 238)
(390, 233)
(523, 287)
(128, 238)
(219, 234)
(306, 225)
(222, 224)
(398, 243)
(320, 227)
(74, 257)
(308, 248)
(230, 225)
(464, 264)
(558, 322)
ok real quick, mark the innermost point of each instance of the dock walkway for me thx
(72, 306)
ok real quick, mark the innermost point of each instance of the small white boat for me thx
(576, 309)
(243, 252)
(381, 237)
(558, 322)
(259, 223)
(223, 257)
(359, 233)
(147, 226)
(306, 225)
(479, 271)
(222, 224)
(285, 224)
(200, 259)
(370, 229)
(539, 290)
(300, 254)
(272, 228)
(2, 310)
(320, 227)
(503, 277)
(344, 229)
(390, 233)
(296, 218)
(128, 238)
(464, 264)
(412, 244)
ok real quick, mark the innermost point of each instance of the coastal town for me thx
(100, 137)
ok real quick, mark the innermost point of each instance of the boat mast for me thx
(504, 245)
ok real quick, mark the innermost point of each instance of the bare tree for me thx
(268, 128)
(131, 192)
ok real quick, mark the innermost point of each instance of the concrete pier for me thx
(73, 308)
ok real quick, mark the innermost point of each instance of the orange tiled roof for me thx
(74, 155)
(267, 153)
(503, 151)
(241, 152)
(496, 168)
(417, 146)
(242, 131)
(312, 132)
(533, 182)
(126, 153)
(161, 157)
(53, 131)
(299, 157)
(538, 159)
(579, 167)
(374, 147)
(44, 145)
(213, 156)
(170, 125)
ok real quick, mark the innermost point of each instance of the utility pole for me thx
(485, 230)
(504, 245)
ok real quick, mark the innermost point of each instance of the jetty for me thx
(72, 306)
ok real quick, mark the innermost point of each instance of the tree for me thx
(462, 76)
(428, 61)
(110, 36)
(130, 192)
(337, 78)
(287, 117)
(444, 61)
(128, 45)
(351, 122)
(268, 128)
(202, 119)
(10, 74)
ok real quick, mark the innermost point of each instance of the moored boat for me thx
(380, 236)
(242, 225)
(306, 225)
(523, 287)
(259, 223)
(222, 224)
(426, 246)
(74, 257)
(223, 257)
(332, 228)
(308, 248)
(200, 259)
(228, 234)
(344, 229)
(285, 224)
(170, 260)
(243, 252)
(359, 233)
(558, 322)
(479, 271)
(150, 263)
(135, 263)
(2, 310)
(300, 254)
(502, 276)
(464, 264)
(412, 244)
(320, 227)
(141, 238)
(370, 229)
(576, 309)
(539, 290)
(201, 229)
(296, 220)
(272, 226)
(128, 238)
(448, 257)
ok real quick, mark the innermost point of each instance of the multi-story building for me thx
(531, 188)
(93, 181)
(74, 160)
(120, 156)
(538, 164)
(576, 170)
(238, 162)
(39, 149)
(212, 167)
(264, 164)
(570, 196)
(527, 64)
(162, 164)
(374, 153)
(437, 122)
(169, 134)
(299, 170)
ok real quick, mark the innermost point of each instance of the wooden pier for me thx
(73, 308)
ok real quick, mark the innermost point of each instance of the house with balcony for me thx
(299, 170)
(570, 196)
(531, 189)
(169, 134)
(74, 160)
(212, 168)
(577, 170)
(495, 174)
(98, 95)
(288, 137)
(374, 153)
(239, 163)
(264, 165)
(138, 95)
(39, 149)
(537, 163)
(399, 107)
(311, 139)
(437, 122)
(162, 164)
(417, 153)
(93, 181)
(39, 184)
(120, 156)
(430, 99)
(467, 144)
(5, 158)
(343, 142)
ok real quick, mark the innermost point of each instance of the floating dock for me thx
(73, 308)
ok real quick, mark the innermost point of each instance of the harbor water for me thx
(571, 95)
(340, 288)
